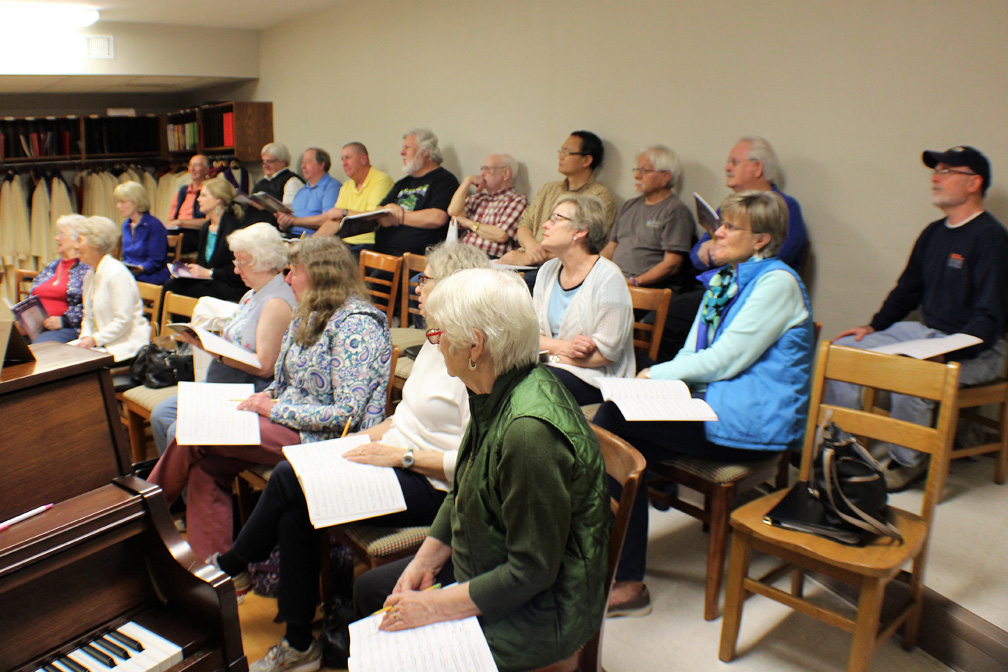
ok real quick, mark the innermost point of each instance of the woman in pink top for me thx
(60, 285)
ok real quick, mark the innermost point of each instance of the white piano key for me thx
(172, 652)
(87, 661)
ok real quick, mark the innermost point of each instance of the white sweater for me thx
(113, 310)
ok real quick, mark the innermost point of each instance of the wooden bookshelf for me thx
(239, 128)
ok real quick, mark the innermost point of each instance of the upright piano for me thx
(101, 580)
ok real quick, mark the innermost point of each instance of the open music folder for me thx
(208, 415)
(926, 348)
(646, 399)
(214, 344)
(338, 490)
(448, 646)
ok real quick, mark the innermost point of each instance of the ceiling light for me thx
(25, 17)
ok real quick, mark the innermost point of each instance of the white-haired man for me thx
(753, 164)
(490, 215)
(957, 275)
(362, 192)
(418, 203)
(278, 180)
(653, 232)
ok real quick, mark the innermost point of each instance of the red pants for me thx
(209, 472)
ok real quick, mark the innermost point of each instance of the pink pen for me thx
(24, 516)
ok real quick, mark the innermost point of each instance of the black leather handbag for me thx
(158, 367)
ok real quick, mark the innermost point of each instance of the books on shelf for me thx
(338, 490)
(208, 415)
(646, 399)
(448, 646)
(926, 348)
(30, 314)
(262, 201)
(228, 122)
(216, 345)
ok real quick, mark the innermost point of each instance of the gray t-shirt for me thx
(646, 232)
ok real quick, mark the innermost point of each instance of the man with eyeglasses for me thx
(653, 233)
(184, 210)
(489, 217)
(958, 276)
(578, 159)
(278, 180)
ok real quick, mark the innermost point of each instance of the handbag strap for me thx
(864, 521)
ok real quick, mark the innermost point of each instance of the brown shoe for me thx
(899, 478)
(638, 605)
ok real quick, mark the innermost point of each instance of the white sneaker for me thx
(284, 658)
(242, 582)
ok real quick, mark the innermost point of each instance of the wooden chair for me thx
(175, 246)
(23, 282)
(412, 264)
(647, 337)
(625, 464)
(151, 297)
(138, 402)
(381, 275)
(871, 568)
(968, 401)
(720, 483)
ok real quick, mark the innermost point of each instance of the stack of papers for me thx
(646, 399)
(338, 490)
(449, 646)
(208, 415)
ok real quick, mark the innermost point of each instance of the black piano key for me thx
(67, 661)
(126, 640)
(50, 668)
(112, 648)
(108, 647)
(92, 650)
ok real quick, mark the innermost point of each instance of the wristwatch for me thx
(345, 211)
(554, 359)
(407, 459)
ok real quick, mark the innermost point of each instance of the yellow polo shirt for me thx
(371, 192)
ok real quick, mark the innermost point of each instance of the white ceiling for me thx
(241, 14)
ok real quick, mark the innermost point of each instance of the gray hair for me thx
(101, 233)
(494, 303)
(510, 163)
(664, 159)
(263, 243)
(767, 213)
(71, 223)
(277, 150)
(760, 150)
(133, 192)
(446, 259)
(428, 142)
(589, 216)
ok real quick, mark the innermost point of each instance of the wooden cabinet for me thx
(234, 128)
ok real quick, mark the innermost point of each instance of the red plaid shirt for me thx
(502, 210)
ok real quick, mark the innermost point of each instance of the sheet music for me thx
(926, 348)
(208, 415)
(509, 267)
(449, 646)
(645, 399)
(219, 346)
(338, 490)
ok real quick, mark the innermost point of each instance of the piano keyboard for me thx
(130, 648)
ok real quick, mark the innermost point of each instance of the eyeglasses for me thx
(242, 264)
(945, 171)
(735, 162)
(731, 228)
(645, 171)
(556, 218)
(422, 279)
(564, 152)
(491, 168)
(270, 162)
(434, 336)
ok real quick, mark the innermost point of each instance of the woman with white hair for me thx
(144, 239)
(257, 326)
(60, 285)
(113, 311)
(523, 534)
(213, 273)
(581, 301)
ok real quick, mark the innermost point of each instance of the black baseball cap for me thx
(961, 156)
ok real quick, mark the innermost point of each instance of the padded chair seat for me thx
(719, 472)
(148, 397)
(878, 558)
(379, 542)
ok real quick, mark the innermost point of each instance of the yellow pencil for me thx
(346, 428)
(384, 609)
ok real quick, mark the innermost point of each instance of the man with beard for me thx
(417, 204)
(278, 181)
(651, 238)
(315, 197)
(958, 276)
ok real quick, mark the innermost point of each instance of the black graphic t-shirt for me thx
(433, 190)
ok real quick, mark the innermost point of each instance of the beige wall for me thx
(849, 93)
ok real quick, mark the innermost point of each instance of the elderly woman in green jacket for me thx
(525, 530)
